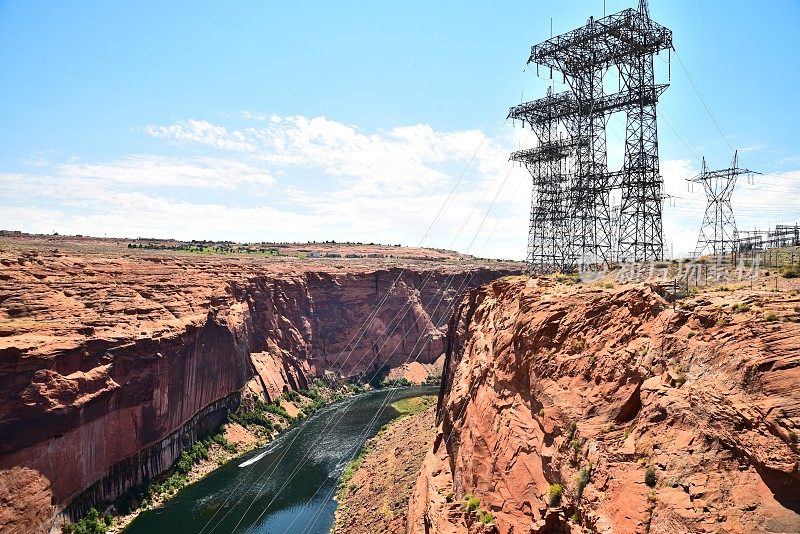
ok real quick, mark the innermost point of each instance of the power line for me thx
(702, 100)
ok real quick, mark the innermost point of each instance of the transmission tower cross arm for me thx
(603, 42)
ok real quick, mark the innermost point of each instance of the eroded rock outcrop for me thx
(111, 364)
(588, 387)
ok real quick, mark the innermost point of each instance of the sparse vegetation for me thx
(793, 436)
(651, 476)
(771, 317)
(741, 307)
(555, 494)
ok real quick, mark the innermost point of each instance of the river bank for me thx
(255, 425)
(375, 487)
(286, 486)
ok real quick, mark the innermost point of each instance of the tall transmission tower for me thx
(571, 223)
(718, 234)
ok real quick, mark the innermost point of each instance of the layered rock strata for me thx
(590, 388)
(110, 364)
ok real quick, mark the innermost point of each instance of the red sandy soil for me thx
(376, 497)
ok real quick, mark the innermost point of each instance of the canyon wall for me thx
(589, 387)
(111, 364)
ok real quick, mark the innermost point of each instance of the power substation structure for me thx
(571, 224)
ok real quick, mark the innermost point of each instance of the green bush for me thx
(573, 427)
(650, 476)
(791, 272)
(555, 494)
(91, 523)
(396, 383)
(472, 502)
(486, 518)
(584, 475)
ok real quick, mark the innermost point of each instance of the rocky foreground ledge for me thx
(115, 360)
(596, 409)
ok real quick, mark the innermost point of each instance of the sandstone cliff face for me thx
(110, 364)
(543, 380)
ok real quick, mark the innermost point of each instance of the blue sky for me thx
(353, 120)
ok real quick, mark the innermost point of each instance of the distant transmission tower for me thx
(718, 234)
(571, 221)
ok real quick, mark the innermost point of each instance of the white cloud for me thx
(194, 131)
(298, 178)
(159, 171)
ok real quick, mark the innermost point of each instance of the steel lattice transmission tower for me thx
(718, 234)
(571, 221)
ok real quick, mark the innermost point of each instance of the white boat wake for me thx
(254, 459)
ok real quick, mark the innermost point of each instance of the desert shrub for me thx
(793, 436)
(584, 475)
(772, 316)
(472, 502)
(433, 380)
(576, 447)
(792, 272)
(680, 379)
(555, 494)
(486, 518)
(650, 476)
(574, 518)
(573, 427)
(741, 307)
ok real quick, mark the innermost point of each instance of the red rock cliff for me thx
(544, 380)
(110, 365)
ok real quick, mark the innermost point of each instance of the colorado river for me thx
(290, 488)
